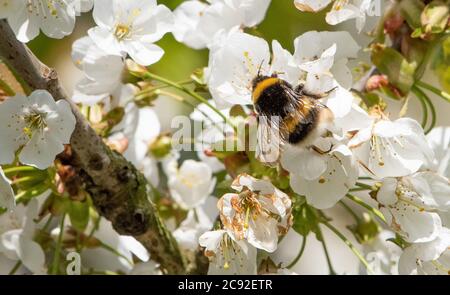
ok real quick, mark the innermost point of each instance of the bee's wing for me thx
(269, 139)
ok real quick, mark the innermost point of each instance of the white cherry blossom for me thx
(196, 23)
(409, 204)
(17, 230)
(131, 27)
(439, 140)
(82, 5)
(191, 184)
(344, 10)
(102, 72)
(311, 5)
(323, 56)
(341, 10)
(259, 213)
(38, 125)
(97, 254)
(55, 18)
(391, 148)
(429, 258)
(323, 173)
(228, 256)
(146, 269)
(383, 255)
(196, 223)
(7, 199)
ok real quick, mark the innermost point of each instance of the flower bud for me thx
(161, 147)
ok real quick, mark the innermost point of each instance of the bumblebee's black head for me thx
(259, 78)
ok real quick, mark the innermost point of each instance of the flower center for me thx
(248, 201)
(191, 180)
(339, 4)
(375, 147)
(122, 31)
(405, 194)
(230, 251)
(34, 120)
(42, 6)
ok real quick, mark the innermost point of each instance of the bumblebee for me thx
(286, 115)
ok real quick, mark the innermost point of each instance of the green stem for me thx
(55, 264)
(440, 93)
(47, 224)
(15, 268)
(364, 186)
(423, 103)
(159, 87)
(299, 255)
(190, 93)
(350, 245)
(18, 169)
(31, 192)
(25, 179)
(426, 100)
(325, 250)
(358, 189)
(6, 88)
(364, 178)
(368, 207)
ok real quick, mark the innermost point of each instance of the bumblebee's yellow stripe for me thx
(259, 89)
(292, 121)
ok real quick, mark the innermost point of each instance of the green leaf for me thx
(79, 214)
(391, 63)
(306, 218)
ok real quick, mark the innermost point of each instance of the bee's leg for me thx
(299, 88)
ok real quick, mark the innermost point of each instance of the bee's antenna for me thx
(260, 66)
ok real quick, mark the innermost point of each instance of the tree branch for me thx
(118, 190)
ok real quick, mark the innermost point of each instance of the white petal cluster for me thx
(324, 174)
(17, 230)
(259, 213)
(102, 83)
(439, 140)
(197, 23)
(341, 10)
(196, 223)
(102, 73)
(391, 148)
(37, 125)
(7, 199)
(55, 18)
(191, 184)
(131, 27)
(382, 255)
(227, 255)
(410, 204)
(427, 258)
